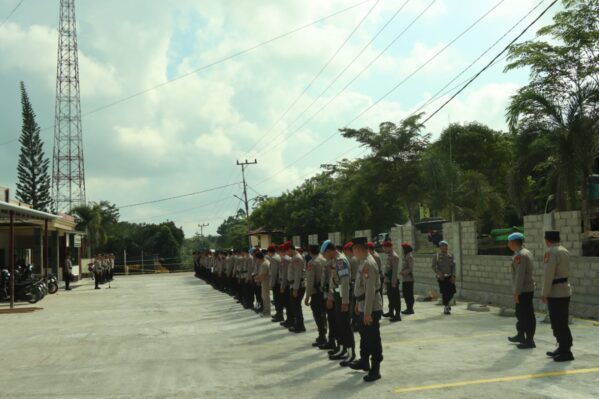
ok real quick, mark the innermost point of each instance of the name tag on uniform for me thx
(342, 268)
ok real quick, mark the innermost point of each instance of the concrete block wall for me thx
(335, 238)
(469, 238)
(569, 224)
(364, 233)
(534, 232)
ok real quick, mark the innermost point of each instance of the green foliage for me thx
(559, 109)
(234, 231)
(33, 185)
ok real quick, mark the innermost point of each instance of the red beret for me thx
(349, 245)
(387, 243)
(406, 245)
(370, 244)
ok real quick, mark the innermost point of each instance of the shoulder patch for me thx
(518, 259)
(342, 268)
(309, 266)
(365, 271)
(546, 258)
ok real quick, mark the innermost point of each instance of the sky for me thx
(265, 103)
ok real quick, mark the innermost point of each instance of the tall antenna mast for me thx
(68, 172)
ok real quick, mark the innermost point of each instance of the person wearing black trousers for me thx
(407, 276)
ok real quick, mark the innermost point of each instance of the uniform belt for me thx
(560, 280)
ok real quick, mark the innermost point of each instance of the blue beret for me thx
(251, 250)
(325, 245)
(516, 237)
(443, 243)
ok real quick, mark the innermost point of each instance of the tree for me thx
(33, 185)
(90, 219)
(396, 157)
(560, 105)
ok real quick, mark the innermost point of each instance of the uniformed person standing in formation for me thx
(297, 283)
(524, 288)
(407, 277)
(339, 299)
(353, 265)
(263, 279)
(369, 308)
(314, 293)
(392, 282)
(556, 294)
(68, 273)
(284, 285)
(444, 269)
(275, 262)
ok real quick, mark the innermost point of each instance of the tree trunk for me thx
(585, 208)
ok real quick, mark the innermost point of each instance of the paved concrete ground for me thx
(171, 336)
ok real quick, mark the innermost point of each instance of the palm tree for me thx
(559, 108)
(89, 218)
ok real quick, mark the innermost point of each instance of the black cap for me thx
(258, 255)
(552, 235)
(361, 241)
(314, 249)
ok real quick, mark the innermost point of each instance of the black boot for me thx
(388, 314)
(528, 344)
(334, 350)
(320, 341)
(350, 358)
(328, 346)
(339, 355)
(554, 353)
(374, 373)
(395, 318)
(360, 364)
(517, 339)
(564, 355)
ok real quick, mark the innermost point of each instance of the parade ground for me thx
(173, 336)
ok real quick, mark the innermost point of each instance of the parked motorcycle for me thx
(29, 290)
(52, 283)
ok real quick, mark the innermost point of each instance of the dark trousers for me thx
(258, 294)
(559, 315)
(332, 322)
(286, 305)
(319, 313)
(345, 334)
(447, 290)
(276, 294)
(296, 305)
(372, 338)
(364, 355)
(526, 323)
(408, 294)
(67, 280)
(394, 300)
(97, 279)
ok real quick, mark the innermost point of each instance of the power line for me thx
(177, 196)
(327, 139)
(284, 138)
(316, 76)
(11, 13)
(433, 98)
(490, 62)
(207, 66)
(442, 50)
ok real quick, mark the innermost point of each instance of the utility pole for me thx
(244, 165)
(201, 226)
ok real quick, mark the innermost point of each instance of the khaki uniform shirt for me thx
(557, 266)
(314, 274)
(522, 270)
(264, 274)
(368, 287)
(298, 268)
(275, 261)
(443, 264)
(283, 269)
(392, 271)
(407, 271)
(339, 280)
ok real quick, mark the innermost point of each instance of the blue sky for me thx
(186, 136)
